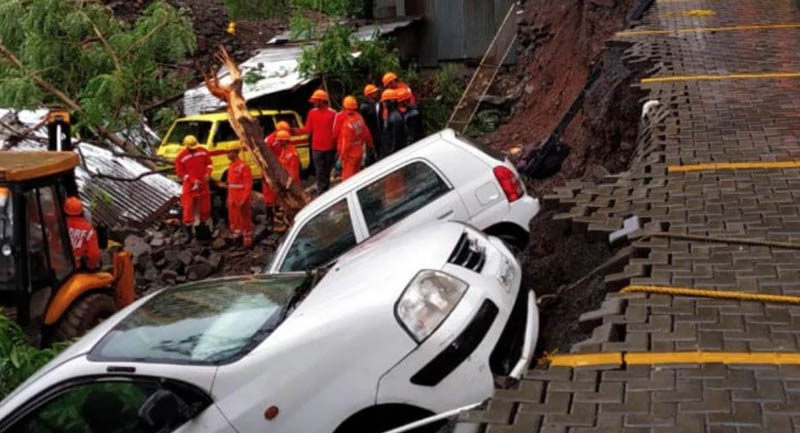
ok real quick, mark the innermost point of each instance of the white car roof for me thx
(418, 149)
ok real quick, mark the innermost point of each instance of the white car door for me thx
(412, 194)
(322, 238)
(115, 404)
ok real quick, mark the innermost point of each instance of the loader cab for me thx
(39, 282)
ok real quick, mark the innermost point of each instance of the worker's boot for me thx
(187, 234)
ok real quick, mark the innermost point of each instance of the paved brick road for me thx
(706, 116)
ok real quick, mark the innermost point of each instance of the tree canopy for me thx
(60, 52)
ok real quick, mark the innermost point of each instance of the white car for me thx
(442, 177)
(397, 330)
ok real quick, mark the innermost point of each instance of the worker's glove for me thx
(196, 185)
(185, 177)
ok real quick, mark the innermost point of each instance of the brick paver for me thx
(698, 121)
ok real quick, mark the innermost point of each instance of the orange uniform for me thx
(290, 161)
(240, 187)
(84, 242)
(193, 166)
(272, 144)
(352, 134)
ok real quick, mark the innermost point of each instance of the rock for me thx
(160, 264)
(529, 89)
(185, 257)
(219, 243)
(168, 277)
(136, 245)
(256, 269)
(157, 242)
(180, 279)
(143, 260)
(199, 271)
(215, 260)
(150, 275)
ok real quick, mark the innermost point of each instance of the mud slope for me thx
(560, 43)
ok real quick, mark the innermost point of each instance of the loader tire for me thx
(83, 315)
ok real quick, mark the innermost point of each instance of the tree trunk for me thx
(291, 195)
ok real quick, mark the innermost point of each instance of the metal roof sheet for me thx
(113, 203)
(278, 67)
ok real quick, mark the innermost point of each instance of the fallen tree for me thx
(291, 195)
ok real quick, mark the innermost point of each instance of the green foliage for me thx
(241, 9)
(448, 86)
(163, 119)
(238, 9)
(18, 358)
(112, 69)
(345, 73)
(333, 7)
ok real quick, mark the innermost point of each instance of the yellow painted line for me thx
(712, 77)
(717, 294)
(627, 33)
(701, 13)
(733, 166)
(771, 358)
(586, 359)
(661, 358)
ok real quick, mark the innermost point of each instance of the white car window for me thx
(399, 194)
(324, 238)
(94, 407)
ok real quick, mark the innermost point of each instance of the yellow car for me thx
(214, 132)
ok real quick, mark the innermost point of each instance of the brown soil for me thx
(559, 44)
(210, 20)
(554, 259)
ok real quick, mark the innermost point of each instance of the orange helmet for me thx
(73, 206)
(350, 103)
(370, 89)
(403, 94)
(319, 95)
(283, 126)
(389, 95)
(388, 78)
(283, 135)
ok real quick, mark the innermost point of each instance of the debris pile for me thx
(163, 258)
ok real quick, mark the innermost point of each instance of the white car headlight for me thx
(427, 301)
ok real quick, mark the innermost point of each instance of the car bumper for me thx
(439, 375)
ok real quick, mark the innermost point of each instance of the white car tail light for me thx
(510, 183)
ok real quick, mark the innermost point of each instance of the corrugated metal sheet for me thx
(277, 65)
(461, 29)
(449, 29)
(114, 203)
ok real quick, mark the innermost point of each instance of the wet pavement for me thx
(708, 337)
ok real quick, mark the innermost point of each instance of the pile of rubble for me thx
(163, 258)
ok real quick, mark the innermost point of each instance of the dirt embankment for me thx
(210, 21)
(560, 43)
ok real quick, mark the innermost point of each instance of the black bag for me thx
(547, 160)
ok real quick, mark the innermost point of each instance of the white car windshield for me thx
(208, 323)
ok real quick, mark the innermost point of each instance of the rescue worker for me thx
(319, 124)
(394, 130)
(290, 160)
(240, 187)
(270, 139)
(82, 236)
(411, 117)
(390, 81)
(371, 112)
(352, 136)
(193, 166)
